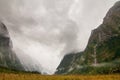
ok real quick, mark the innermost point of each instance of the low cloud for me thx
(46, 30)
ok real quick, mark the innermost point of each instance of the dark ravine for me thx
(8, 58)
(102, 54)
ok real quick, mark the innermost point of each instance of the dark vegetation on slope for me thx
(14, 71)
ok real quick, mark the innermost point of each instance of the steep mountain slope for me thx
(8, 58)
(102, 54)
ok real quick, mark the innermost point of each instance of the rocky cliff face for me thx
(7, 57)
(102, 54)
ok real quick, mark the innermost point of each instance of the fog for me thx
(43, 31)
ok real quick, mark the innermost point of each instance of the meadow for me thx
(12, 76)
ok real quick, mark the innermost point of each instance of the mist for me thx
(43, 31)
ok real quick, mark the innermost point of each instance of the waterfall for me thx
(95, 56)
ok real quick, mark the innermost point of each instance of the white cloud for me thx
(46, 30)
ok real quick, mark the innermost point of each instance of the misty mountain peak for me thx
(3, 30)
(7, 57)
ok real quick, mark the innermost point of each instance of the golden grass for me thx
(5, 76)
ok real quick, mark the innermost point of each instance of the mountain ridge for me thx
(103, 47)
(8, 58)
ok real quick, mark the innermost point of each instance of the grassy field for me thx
(10, 76)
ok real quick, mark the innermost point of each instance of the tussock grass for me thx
(6, 76)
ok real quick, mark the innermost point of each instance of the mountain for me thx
(102, 54)
(8, 58)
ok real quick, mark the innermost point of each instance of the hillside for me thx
(8, 58)
(102, 54)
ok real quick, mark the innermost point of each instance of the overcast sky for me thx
(46, 30)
